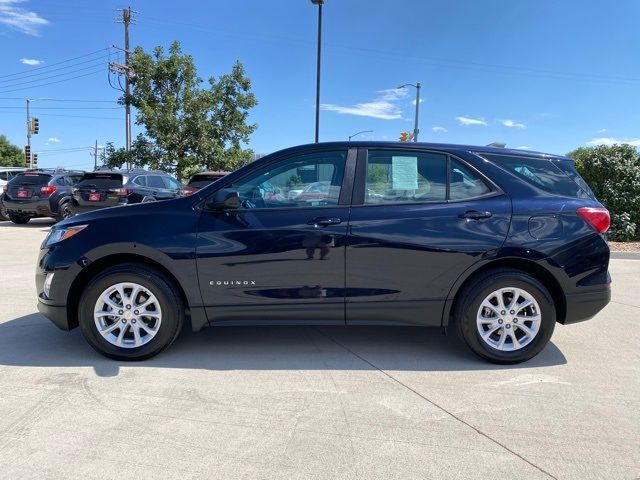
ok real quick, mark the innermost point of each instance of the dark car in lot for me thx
(497, 245)
(201, 180)
(110, 188)
(39, 193)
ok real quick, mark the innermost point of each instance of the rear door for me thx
(99, 189)
(419, 219)
(158, 188)
(26, 187)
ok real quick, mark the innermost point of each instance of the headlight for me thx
(59, 234)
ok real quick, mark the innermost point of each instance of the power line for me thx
(52, 83)
(62, 108)
(96, 60)
(56, 63)
(83, 69)
(63, 100)
(68, 116)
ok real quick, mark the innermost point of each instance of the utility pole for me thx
(29, 134)
(319, 3)
(125, 70)
(95, 157)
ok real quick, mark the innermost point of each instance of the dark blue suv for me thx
(495, 244)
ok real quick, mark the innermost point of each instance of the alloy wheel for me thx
(508, 319)
(127, 315)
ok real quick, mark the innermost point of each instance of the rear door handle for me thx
(475, 215)
(324, 221)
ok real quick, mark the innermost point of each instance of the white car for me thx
(6, 174)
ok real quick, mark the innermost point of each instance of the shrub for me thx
(613, 173)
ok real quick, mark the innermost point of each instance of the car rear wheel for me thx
(65, 211)
(505, 316)
(130, 312)
(19, 219)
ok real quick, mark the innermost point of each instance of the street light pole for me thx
(363, 131)
(29, 133)
(417, 86)
(319, 3)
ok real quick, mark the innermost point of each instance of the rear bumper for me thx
(583, 306)
(32, 208)
(77, 209)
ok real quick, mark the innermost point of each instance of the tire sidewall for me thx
(468, 317)
(169, 305)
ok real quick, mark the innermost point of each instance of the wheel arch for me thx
(532, 267)
(95, 267)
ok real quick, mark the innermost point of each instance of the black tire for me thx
(468, 304)
(4, 216)
(65, 210)
(170, 303)
(19, 219)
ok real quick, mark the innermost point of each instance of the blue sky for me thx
(548, 75)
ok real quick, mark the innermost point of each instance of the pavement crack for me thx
(439, 407)
(625, 304)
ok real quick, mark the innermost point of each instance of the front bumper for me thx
(29, 207)
(56, 313)
(583, 306)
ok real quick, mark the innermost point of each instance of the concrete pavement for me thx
(326, 403)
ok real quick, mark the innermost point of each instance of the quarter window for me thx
(401, 176)
(312, 180)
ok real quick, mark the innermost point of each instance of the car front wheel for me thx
(130, 312)
(505, 316)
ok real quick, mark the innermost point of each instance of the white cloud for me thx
(602, 130)
(523, 147)
(466, 121)
(53, 140)
(30, 61)
(612, 141)
(439, 129)
(384, 106)
(413, 102)
(20, 19)
(512, 124)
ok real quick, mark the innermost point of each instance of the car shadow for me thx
(32, 340)
(43, 223)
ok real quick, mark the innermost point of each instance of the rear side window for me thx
(465, 182)
(31, 179)
(100, 180)
(203, 180)
(155, 181)
(394, 177)
(542, 173)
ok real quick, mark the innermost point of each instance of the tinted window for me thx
(203, 180)
(405, 177)
(568, 167)
(141, 180)
(171, 183)
(4, 175)
(294, 182)
(31, 179)
(465, 182)
(540, 172)
(155, 181)
(60, 181)
(100, 180)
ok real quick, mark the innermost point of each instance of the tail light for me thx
(48, 190)
(121, 192)
(186, 191)
(597, 217)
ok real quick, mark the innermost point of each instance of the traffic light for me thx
(27, 155)
(35, 125)
(35, 160)
(404, 137)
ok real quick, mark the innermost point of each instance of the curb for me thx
(625, 255)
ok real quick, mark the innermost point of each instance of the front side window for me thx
(171, 184)
(311, 180)
(155, 181)
(395, 177)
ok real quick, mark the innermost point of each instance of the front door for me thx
(419, 220)
(280, 257)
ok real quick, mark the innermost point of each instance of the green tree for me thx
(191, 124)
(10, 154)
(143, 153)
(613, 173)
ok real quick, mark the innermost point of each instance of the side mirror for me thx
(224, 199)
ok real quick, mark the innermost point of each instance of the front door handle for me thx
(324, 221)
(475, 215)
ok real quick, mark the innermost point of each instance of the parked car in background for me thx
(201, 180)
(314, 191)
(496, 245)
(110, 188)
(39, 193)
(6, 174)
